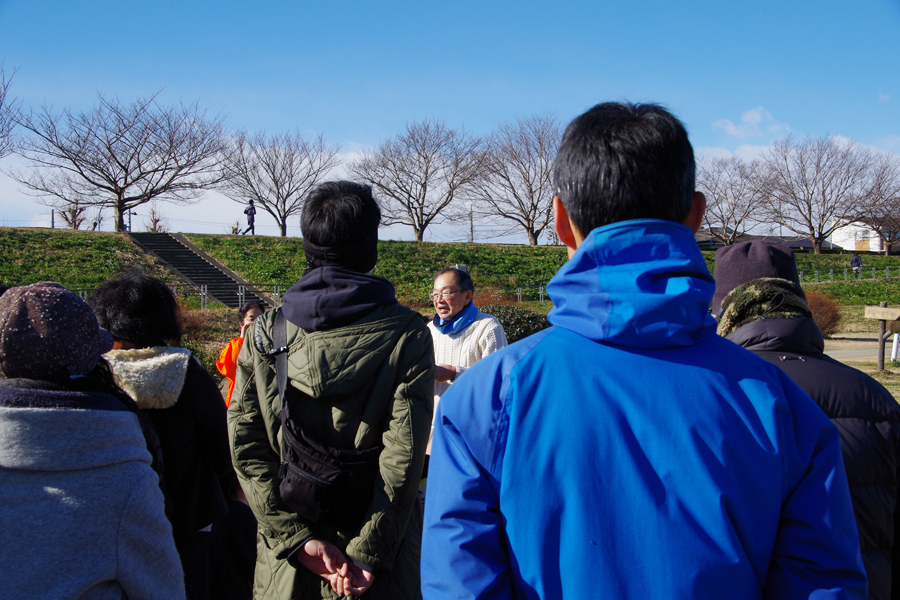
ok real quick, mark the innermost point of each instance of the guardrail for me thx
(848, 275)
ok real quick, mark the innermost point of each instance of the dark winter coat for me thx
(188, 412)
(868, 419)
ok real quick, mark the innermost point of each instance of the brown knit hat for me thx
(740, 263)
(48, 333)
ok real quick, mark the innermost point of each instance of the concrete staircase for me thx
(198, 269)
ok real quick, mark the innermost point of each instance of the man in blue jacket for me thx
(628, 451)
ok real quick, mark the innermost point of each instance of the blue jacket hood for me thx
(641, 284)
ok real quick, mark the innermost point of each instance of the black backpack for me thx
(321, 484)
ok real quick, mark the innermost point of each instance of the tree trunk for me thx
(532, 238)
(283, 226)
(420, 233)
(817, 246)
(120, 218)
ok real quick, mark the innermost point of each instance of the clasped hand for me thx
(328, 562)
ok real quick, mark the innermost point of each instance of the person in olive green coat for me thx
(360, 376)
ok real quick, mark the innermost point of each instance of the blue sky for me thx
(740, 75)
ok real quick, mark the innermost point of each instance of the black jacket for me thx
(868, 419)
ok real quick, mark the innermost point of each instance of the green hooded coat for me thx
(359, 386)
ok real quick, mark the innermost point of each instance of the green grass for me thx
(79, 259)
(408, 265)
(75, 259)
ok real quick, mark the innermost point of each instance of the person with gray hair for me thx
(761, 306)
(81, 511)
(462, 334)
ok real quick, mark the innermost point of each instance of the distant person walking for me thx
(250, 211)
(856, 263)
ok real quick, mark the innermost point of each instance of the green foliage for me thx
(75, 259)
(865, 292)
(518, 323)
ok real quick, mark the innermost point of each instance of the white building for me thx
(858, 236)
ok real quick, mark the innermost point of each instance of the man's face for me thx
(449, 299)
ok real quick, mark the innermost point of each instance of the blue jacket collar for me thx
(641, 283)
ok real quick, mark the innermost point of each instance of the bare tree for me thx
(9, 112)
(73, 215)
(121, 155)
(156, 221)
(735, 195)
(811, 183)
(277, 172)
(516, 179)
(420, 172)
(883, 214)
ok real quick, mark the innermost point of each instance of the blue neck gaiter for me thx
(459, 322)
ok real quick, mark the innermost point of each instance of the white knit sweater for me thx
(463, 349)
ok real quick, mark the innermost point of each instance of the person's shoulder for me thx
(498, 366)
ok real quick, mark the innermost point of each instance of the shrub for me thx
(517, 322)
(825, 312)
(207, 360)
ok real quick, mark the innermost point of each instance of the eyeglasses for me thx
(445, 295)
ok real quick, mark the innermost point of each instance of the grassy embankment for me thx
(75, 259)
(85, 260)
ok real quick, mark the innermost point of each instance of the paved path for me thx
(853, 347)
(857, 353)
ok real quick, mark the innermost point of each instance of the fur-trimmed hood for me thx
(154, 377)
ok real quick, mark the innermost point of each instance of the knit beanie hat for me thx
(746, 261)
(764, 298)
(48, 333)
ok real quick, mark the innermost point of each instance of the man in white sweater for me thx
(462, 334)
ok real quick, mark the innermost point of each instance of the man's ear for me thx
(695, 217)
(565, 229)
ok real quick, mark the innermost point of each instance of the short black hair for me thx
(463, 279)
(621, 161)
(3, 288)
(339, 212)
(139, 309)
(242, 311)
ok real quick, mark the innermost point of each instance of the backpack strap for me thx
(279, 341)
(280, 351)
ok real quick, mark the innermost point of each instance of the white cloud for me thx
(891, 142)
(884, 97)
(745, 151)
(756, 122)
(717, 152)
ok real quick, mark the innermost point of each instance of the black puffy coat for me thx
(868, 419)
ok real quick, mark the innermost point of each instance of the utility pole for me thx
(52, 219)
(471, 226)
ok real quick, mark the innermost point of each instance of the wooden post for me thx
(882, 326)
(883, 314)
